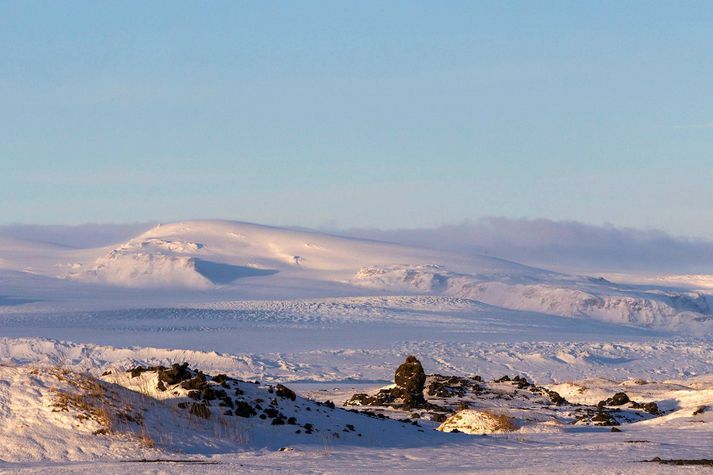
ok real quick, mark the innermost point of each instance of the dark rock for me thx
(614, 429)
(436, 417)
(176, 374)
(410, 380)
(604, 418)
(197, 382)
(382, 398)
(451, 386)
(285, 392)
(243, 409)
(682, 462)
(292, 421)
(210, 394)
(271, 412)
(619, 399)
(554, 397)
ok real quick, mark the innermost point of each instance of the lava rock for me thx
(285, 392)
(243, 409)
(410, 379)
(603, 418)
(619, 399)
(176, 374)
(197, 382)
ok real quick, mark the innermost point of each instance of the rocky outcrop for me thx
(406, 393)
(410, 379)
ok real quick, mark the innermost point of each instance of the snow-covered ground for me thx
(331, 316)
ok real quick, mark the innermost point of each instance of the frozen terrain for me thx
(329, 317)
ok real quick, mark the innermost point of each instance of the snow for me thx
(329, 317)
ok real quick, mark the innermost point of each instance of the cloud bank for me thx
(567, 246)
(79, 237)
(561, 245)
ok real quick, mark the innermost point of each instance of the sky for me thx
(358, 114)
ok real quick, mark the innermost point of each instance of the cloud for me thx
(568, 246)
(708, 125)
(79, 236)
(561, 245)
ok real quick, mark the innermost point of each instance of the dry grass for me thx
(91, 400)
(479, 421)
(503, 423)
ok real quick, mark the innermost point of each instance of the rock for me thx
(450, 386)
(436, 417)
(603, 418)
(176, 374)
(197, 382)
(285, 392)
(243, 409)
(382, 398)
(222, 379)
(619, 399)
(614, 429)
(555, 397)
(136, 371)
(209, 394)
(410, 379)
(271, 412)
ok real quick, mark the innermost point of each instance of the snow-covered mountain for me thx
(235, 259)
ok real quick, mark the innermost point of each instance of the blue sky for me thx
(357, 114)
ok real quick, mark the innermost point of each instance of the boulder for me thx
(176, 374)
(410, 379)
(619, 399)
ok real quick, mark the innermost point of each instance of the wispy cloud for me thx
(708, 125)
